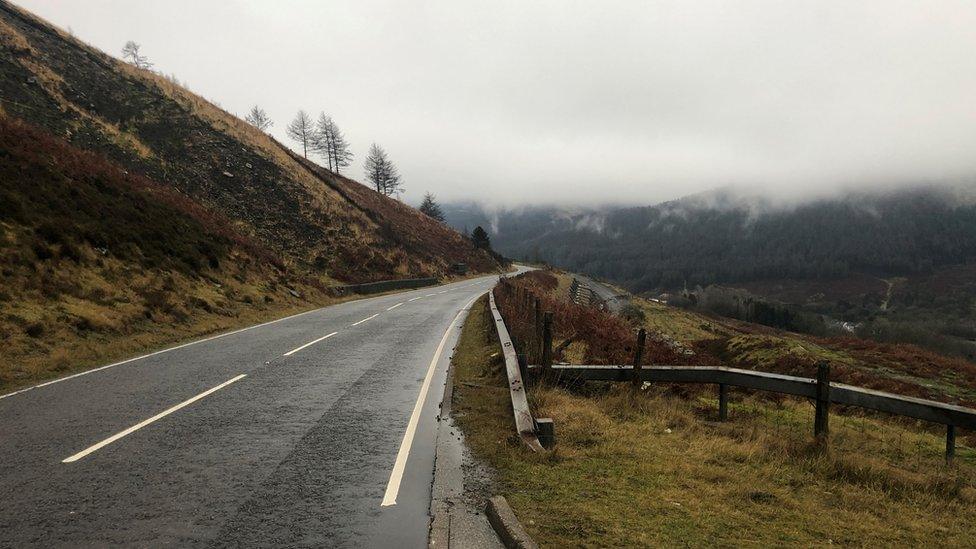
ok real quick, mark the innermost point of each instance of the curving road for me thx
(314, 430)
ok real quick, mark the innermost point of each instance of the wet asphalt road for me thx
(299, 452)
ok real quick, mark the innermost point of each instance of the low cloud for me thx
(587, 103)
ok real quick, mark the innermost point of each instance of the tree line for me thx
(321, 136)
(672, 246)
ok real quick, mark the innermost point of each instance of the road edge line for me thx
(400, 464)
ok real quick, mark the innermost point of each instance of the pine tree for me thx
(430, 207)
(479, 237)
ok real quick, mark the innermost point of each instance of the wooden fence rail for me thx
(950, 415)
(821, 390)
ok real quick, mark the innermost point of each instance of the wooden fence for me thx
(821, 390)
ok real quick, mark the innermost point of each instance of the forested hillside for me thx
(890, 266)
(722, 237)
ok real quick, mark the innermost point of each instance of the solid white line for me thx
(156, 417)
(416, 298)
(393, 486)
(395, 306)
(293, 351)
(365, 319)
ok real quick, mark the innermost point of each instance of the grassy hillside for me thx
(133, 214)
(99, 262)
(653, 467)
(154, 127)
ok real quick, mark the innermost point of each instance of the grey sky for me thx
(582, 102)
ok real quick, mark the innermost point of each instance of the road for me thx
(314, 430)
(607, 294)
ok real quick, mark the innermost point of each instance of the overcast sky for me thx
(595, 102)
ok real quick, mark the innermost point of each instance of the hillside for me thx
(135, 214)
(99, 263)
(891, 265)
(725, 237)
(152, 126)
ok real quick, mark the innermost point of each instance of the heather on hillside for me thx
(151, 125)
(67, 197)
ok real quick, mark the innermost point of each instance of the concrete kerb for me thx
(506, 524)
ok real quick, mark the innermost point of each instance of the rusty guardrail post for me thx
(821, 420)
(639, 357)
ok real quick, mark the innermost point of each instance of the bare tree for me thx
(130, 52)
(431, 208)
(393, 185)
(341, 155)
(322, 130)
(259, 119)
(375, 166)
(381, 172)
(302, 130)
(331, 144)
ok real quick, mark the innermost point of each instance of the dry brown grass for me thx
(649, 468)
(76, 316)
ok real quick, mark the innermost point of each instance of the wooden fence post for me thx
(723, 402)
(547, 343)
(546, 431)
(489, 333)
(950, 443)
(821, 418)
(639, 357)
(537, 355)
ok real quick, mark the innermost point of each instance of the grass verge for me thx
(651, 468)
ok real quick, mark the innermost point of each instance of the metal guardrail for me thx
(384, 286)
(525, 424)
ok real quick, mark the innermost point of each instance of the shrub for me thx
(633, 314)
(34, 329)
